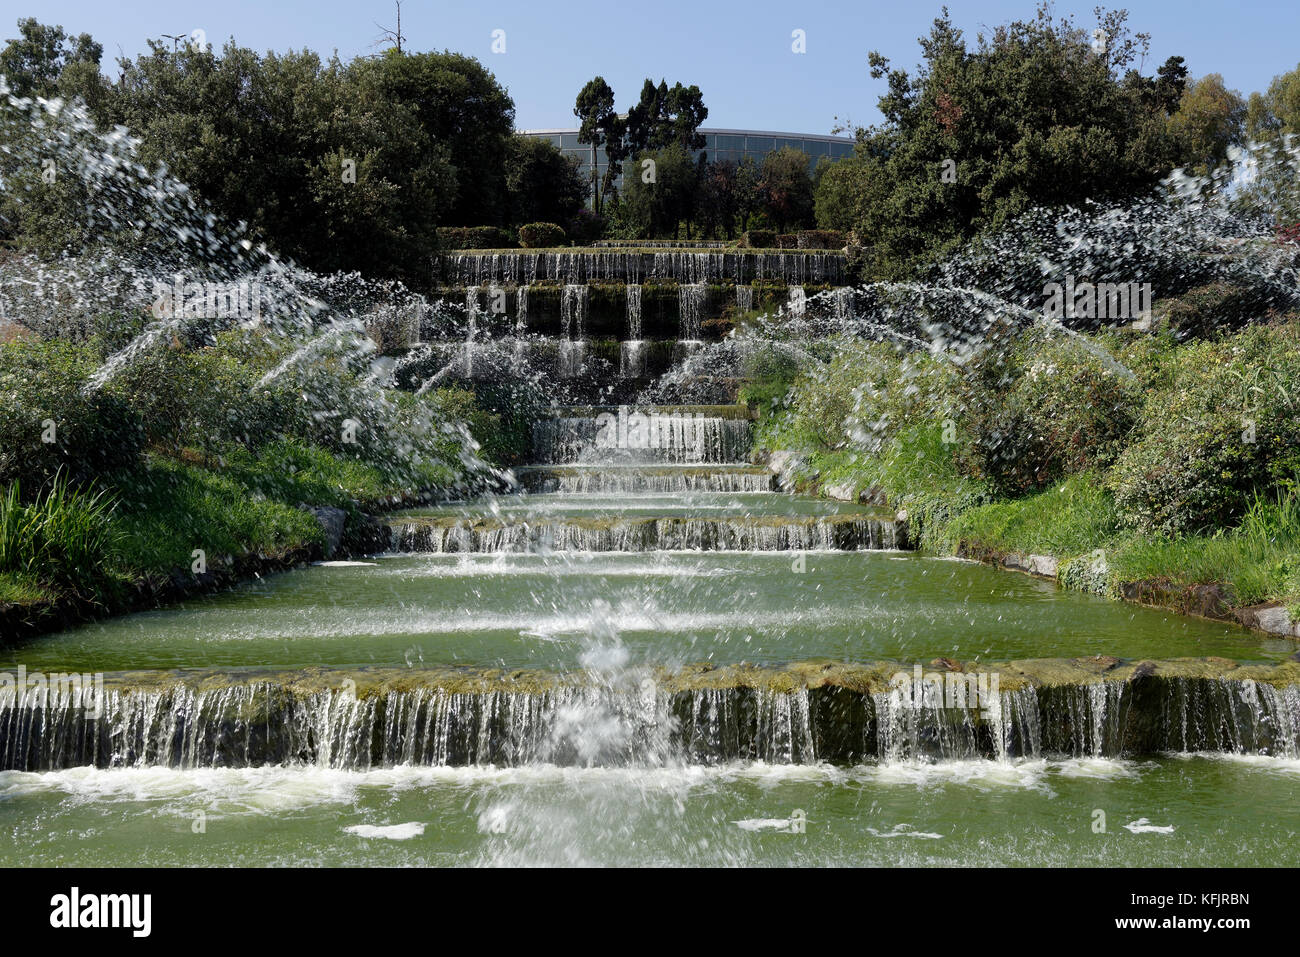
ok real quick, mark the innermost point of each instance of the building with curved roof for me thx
(733, 145)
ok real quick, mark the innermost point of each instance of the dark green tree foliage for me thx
(663, 117)
(338, 165)
(656, 209)
(543, 184)
(600, 126)
(787, 188)
(1035, 115)
(458, 103)
(45, 61)
(716, 204)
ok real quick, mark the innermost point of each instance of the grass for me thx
(170, 508)
(1259, 559)
(66, 536)
(92, 542)
(19, 588)
(1074, 517)
(292, 472)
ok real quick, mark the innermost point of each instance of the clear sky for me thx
(738, 53)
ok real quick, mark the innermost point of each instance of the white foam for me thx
(390, 832)
(905, 830)
(1143, 826)
(765, 824)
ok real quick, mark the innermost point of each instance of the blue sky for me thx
(739, 53)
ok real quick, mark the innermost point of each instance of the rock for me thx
(1104, 662)
(332, 521)
(841, 492)
(367, 535)
(947, 664)
(788, 467)
(1043, 565)
(875, 495)
(1271, 618)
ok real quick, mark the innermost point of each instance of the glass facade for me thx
(733, 145)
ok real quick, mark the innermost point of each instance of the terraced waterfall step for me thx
(584, 479)
(846, 532)
(802, 713)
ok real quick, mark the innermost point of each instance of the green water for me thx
(1223, 812)
(540, 611)
(548, 610)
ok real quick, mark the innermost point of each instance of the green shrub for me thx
(541, 236)
(1218, 426)
(1041, 408)
(585, 227)
(45, 395)
(1214, 309)
(204, 398)
(769, 370)
(474, 237)
(759, 239)
(820, 239)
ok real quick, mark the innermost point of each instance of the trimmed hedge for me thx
(803, 239)
(475, 237)
(818, 239)
(541, 236)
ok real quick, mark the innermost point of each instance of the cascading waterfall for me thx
(631, 354)
(843, 302)
(573, 311)
(631, 359)
(744, 298)
(692, 301)
(797, 304)
(650, 534)
(471, 327)
(263, 723)
(613, 265)
(521, 310)
(634, 436)
(634, 311)
(573, 323)
(598, 479)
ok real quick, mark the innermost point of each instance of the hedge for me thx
(541, 236)
(475, 237)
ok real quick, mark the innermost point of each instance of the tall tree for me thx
(600, 125)
(34, 62)
(1036, 114)
(1210, 119)
(545, 185)
(787, 188)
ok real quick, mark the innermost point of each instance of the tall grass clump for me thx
(1260, 558)
(65, 536)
